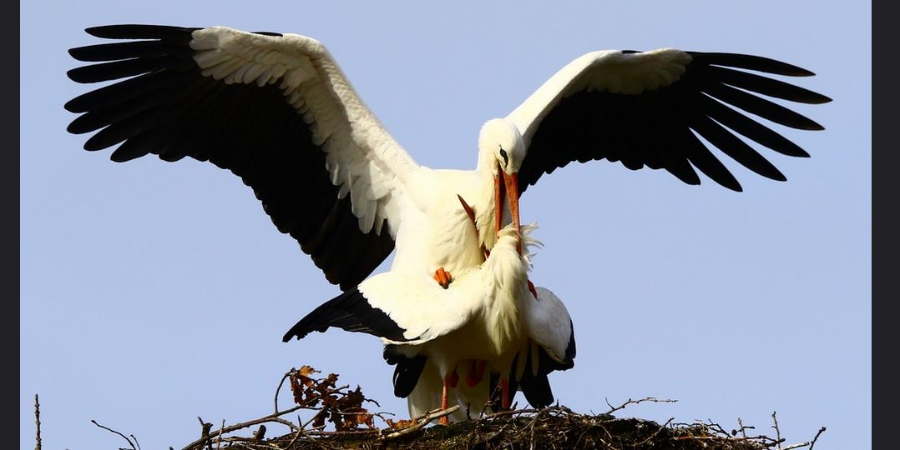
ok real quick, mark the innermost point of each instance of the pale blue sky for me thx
(154, 293)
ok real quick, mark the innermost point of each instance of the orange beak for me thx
(509, 189)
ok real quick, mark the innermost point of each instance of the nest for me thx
(551, 428)
(341, 420)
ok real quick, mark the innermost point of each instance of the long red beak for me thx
(510, 190)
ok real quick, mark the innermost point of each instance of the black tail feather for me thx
(349, 311)
(407, 372)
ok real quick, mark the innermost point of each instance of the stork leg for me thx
(442, 277)
(450, 381)
(475, 372)
(504, 394)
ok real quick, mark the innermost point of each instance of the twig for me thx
(510, 412)
(320, 431)
(37, 421)
(422, 421)
(260, 433)
(811, 444)
(305, 424)
(281, 383)
(208, 433)
(816, 438)
(777, 431)
(297, 434)
(116, 432)
(743, 429)
(635, 402)
(650, 438)
(135, 441)
(205, 427)
(531, 426)
(219, 437)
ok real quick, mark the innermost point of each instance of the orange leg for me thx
(442, 277)
(444, 420)
(504, 394)
(450, 380)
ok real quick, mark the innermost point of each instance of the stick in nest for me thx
(422, 421)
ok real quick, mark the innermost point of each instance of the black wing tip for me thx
(816, 98)
(299, 332)
(291, 334)
(794, 71)
(147, 31)
(110, 31)
(727, 180)
(73, 126)
(750, 62)
(137, 31)
(317, 320)
(777, 177)
(814, 126)
(119, 156)
(269, 33)
(734, 186)
(805, 124)
(77, 105)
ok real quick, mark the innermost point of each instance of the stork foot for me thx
(443, 277)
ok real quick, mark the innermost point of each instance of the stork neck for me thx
(484, 216)
(487, 162)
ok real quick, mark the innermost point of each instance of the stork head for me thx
(502, 151)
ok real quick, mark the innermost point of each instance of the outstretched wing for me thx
(647, 109)
(274, 109)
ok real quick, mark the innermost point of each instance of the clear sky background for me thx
(153, 293)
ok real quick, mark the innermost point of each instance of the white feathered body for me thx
(478, 317)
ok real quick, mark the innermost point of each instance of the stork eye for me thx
(505, 157)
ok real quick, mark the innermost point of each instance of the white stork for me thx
(551, 347)
(278, 112)
(486, 318)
